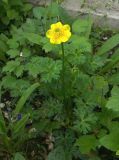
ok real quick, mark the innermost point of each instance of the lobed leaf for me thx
(113, 102)
(86, 143)
(111, 141)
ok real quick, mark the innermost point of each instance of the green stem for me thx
(63, 75)
(65, 105)
(0, 93)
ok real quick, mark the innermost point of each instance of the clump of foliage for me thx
(35, 121)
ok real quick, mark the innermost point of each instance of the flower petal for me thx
(66, 27)
(55, 41)
(66, 36)
(59, 33)
(49, 33)
(53, 26)
(56, 25)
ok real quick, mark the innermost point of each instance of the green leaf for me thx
(100, 85)
(48, 47)
(34, 38)
(27, 7)
(53, 10)
(12, 14)
(111, 141)
(2, 124)
(13, 43)
(15, 85)
(2, 57)
(3, 37)
(47, 67)
(82, 26)
(86, 143)
(8, 81)
(113, 62)
(81, 43)
(24, 97)
(11, 66)
(13, 53)
(5, 1)
(18, 156)
(113, 125)
(19, 71)
(14, 66)
(16, 3)
(30, 26)
(26, 52)
(109, 44)
(39, 12)
(113, 102)
(57, 154)
(117, 152)
(3, 46)
(19, 125)
(113, 79)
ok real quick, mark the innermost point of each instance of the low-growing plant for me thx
(75, 109)
(11, 12)
(13, 129)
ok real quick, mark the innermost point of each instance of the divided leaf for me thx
(114, 79)
(34, 38)
(113, 102)
(46, 67)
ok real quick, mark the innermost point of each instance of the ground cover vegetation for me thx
(59, 85)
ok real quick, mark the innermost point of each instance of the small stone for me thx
(21, 54)
(2, 105)
(105, 38)
(6, 115)
(32, 130)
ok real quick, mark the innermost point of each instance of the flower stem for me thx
(63, 75)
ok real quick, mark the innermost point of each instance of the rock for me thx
(104, 12)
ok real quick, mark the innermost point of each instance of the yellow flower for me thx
(58, 33)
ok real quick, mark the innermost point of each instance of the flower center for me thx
(57, 30)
